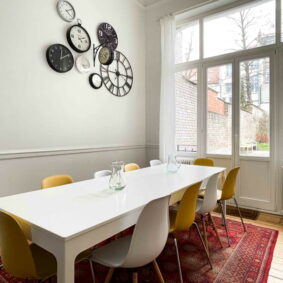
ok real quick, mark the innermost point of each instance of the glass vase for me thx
(117, 179)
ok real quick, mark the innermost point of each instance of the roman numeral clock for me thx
(118, 76)
(115, 68)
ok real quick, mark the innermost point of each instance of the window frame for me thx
(233, 57)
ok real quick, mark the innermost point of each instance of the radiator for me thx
(185, 160)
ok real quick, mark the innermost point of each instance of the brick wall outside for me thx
(219, 124)
(186, 112)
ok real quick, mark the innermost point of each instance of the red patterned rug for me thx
(247, 260)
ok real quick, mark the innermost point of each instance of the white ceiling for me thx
(148, 3)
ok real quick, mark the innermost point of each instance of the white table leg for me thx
(64, 251)
(65, 267)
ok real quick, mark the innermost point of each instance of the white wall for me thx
(44, 110)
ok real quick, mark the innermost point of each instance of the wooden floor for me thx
(273, 222)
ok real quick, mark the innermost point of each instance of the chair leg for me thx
(178, 260)
(109, 275)
(91, 270)
(135, 277)
(240, 214)
(224, 212)
(203, 244)
(215, 229)
(225, 223)
(158, 272)
(204, 232)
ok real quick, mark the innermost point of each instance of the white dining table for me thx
(69, 219)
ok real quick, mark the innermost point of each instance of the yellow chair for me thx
(21, 258)
(184, 218)
(203, 162)
(55, 181)
(131, 167)
(228, 192)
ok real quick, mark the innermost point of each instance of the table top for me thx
(74, 208)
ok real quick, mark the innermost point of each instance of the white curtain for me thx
(167, 90)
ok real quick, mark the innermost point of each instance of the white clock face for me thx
(66, 10)
(96, 80)
(79, 38)
(83, 64)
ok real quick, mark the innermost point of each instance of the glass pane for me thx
(219, 110)
(186, 110)
(244, 27)
(254, 107)
(187, 43)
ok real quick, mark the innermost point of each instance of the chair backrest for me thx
(55, 181)
(187, 209)
(210, 196)
(102, 173)
(150, 234)
(16, 255)
(228, 190)
(204, 162)
(131, 167)
(155, 162)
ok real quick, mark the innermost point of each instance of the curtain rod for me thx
(188, 9)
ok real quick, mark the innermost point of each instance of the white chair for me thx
(207, 204)
(155, 162)
(144, 246)
(102, 173)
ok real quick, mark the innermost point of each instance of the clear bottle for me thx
(117, 179)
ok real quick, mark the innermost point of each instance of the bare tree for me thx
(244, 21)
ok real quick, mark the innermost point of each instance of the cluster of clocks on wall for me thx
(115, 69)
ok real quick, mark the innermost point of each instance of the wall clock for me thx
(82, 64)
(95, 80)
(118, 77)
(106, 56)
(59, 58)
(78, 38)
(107, 36)
(66, 11)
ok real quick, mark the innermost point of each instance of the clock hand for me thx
(80, 38)
(61, 52)
(119, 74)
(68, 11)
(65, 56)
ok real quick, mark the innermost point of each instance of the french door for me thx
(239, 124)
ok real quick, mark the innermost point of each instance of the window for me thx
(187, 43)
(186, 110)
(254, 108)
(219, 110)
(245, 27)
(236, 34)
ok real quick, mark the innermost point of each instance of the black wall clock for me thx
(78, 38)
(95, 80)
(107, 36)
(59, 58)
(118, 77)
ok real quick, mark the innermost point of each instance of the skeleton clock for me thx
(118, 76)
